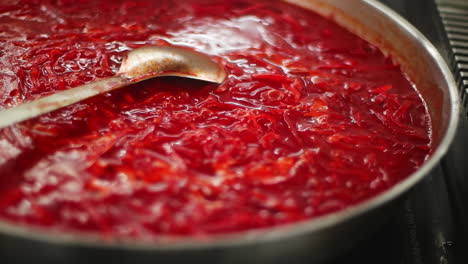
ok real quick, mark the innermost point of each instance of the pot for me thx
(314, 240)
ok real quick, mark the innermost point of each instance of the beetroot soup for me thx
(310, 120)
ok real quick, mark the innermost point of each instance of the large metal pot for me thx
(312, 240)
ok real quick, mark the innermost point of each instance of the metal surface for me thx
(422, 231)
(313, 240)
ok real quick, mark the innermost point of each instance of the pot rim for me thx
(251, 237)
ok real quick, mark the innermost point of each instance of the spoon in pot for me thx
(140, 64)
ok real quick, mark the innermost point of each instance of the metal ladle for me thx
(139, 64)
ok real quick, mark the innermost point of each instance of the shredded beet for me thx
(310, 120)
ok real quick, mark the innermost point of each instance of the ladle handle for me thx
(58, 100)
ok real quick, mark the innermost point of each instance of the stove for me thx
(431, 227)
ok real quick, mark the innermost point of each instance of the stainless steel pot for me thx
(313, 240)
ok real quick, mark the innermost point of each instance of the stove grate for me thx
(454, 14)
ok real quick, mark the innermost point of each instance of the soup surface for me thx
(310, 120)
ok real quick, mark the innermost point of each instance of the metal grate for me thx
(454, 14)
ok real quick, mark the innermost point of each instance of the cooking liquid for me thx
(311, 119)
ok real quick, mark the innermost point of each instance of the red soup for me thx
(310, 120)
